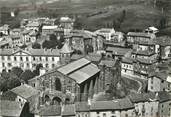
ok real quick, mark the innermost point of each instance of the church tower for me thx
(65, 53)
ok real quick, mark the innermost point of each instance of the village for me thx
(51, 69)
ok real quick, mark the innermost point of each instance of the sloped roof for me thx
(84, 73)
(164, 96)
(141, 34)
(52, 110)
(10, 108)
(79, 70)
(49, 27)
(108, 63)
(163, 41)
(66, 49)
(68, 110)
(25, 91)
(127, 60)
(119, 104)
(82, 107)
(118, 50)
(73, 66)
(143, 97)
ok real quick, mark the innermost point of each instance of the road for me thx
(140, 81)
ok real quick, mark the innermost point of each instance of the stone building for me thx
(75, 81)
(110, 73)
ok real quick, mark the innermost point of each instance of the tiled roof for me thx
(161, 75)
(66, 49)
(145, 52)
(141, 34)
(164, 96)
(33, 24)
(33, 52)
(68, 110)
(49, 27)
(52, 110)
(6, 51)
(10, 108)
(76, 56)
(73, 66)
(127, 60)
(105, 30)
(118, 50)
(143, 97)
(94, 57)
(25, 91)
(108, 63)
(84, 73)
(82, 107)
(119, 104)
(81, 33)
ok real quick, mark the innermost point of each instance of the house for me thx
(33, 26)
(16, 40)
(164, 43)
(67, 24)
(146, 104)
(79, 79)
(127, 66)
(159, 81)
(143, 67)
(5, 29)
(107, 33)
(114, 108)
(5, 42)
(137, 37)
(152, 29)
(12, 109)
(118, 52)
(47, 30)
(28, 59)
(117, 40)
(164, 104)
(81, 41)
(27, 94)
(110, 72)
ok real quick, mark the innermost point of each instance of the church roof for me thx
(66, 49)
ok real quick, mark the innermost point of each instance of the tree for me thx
(17, 71)
(5, 74)
(36, 46)
(37, 70)
(13, 82)
(26, 75)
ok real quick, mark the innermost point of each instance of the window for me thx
(46, 58)
(28, 65)
(162, 81)
(9, 64)
(40, 58)
(3, 64)
(53, 59)
(113, 112)
(97, 112)
(15, 58)
(151, 87)
(34, 59)
(104, 114)
(21, 58)
(53, 65)
(151, 80)
(9, 58)
(33, 84)
(46, 65)
(3, 58)
(26, 58)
